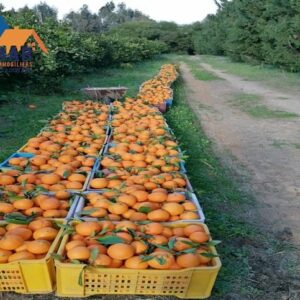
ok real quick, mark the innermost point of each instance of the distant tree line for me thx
(79, 43)
(255, 31)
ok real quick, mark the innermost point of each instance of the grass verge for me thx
(198, 72)
(274, 77)
(251, 104)
(217, 193)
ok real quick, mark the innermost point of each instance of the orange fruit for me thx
(73, 244)
(117, 208)
(102, 260)
(62, 195)
(130, 200)
(6, 208)
(108, 225)
(11, 242)
(158, 240)
(192, 228)
(115, 263)
(175, 266)
(189, 215)
(49, 203)
(6, 180)
(125, 236)
(176, 197)
(77, 177)
(23, 247)
(22, 255)
(161, 260)
(29, 178)
(120, 251)
(99, 183)
(11, 226)
(174, 209)
(124, 225)
(39, 223)
(38, 160)
(158, 215)
(199, 237)
(79, 253)
(153, 228)
(136, 262)
(73, 185)
(204, 260)
(2, 231)
(138, 216)
(100, 248)
(4, 255)
(139, 246)
(23, 204)
(33, 210)
(188, 205)
(51, 178)
(66, 159)
(181, 243)
(24, 233)
(167, 232)
(87, 228)
(141, 196)
(45, 233)
(188, 260)
(38, 246)
(157, 197)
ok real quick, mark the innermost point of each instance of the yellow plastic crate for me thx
(30, 276)
(188, 283)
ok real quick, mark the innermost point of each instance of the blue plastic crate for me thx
(169, 102)
(5, 164)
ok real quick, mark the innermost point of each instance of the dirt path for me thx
(275, 99)
(265, 150)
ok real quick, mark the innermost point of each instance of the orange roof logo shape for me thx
(18, 37)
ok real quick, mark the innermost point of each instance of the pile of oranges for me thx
(24, 242)
(64, 151)
(139, 177)
(157, 90)
(140, 205)
(35, 203)
(128, 245)
(138, 188)
(142, 151)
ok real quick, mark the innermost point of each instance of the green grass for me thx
(198, 72)
(286, 81)
(219, 197)
(278, 144)
(251, 104)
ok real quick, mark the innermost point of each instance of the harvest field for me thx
(185, 187)
(215, 182)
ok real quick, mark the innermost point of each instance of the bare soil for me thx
(263, 150)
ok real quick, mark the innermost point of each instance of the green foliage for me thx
(108, 16)
(71, 52)
(177, 38)
(253, 31)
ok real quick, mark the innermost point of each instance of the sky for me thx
(179, 11)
